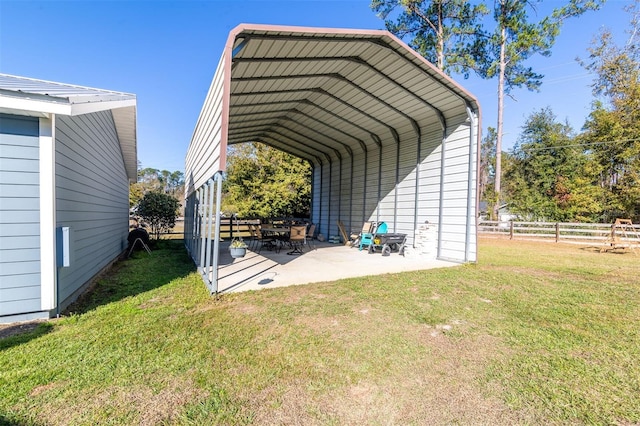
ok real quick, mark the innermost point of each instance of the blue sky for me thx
(166, 52)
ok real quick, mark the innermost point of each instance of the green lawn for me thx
(535, 333)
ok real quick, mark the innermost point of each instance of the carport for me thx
(390, 138)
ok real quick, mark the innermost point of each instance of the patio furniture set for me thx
(295, 236)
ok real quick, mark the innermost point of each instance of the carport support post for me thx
(216, 237)
(207, 264)
(470, 215)
(202, 193)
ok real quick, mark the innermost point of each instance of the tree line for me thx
(554, 173)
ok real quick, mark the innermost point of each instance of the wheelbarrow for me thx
(388, 243)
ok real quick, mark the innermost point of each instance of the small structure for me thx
(389, 136)
(67, 155)
(623, 236)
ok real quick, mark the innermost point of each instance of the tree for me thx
(487, 168)
(265, 182)
(514, 40)
(160, 211)
(443, 31)
(154, 180)
(448, 33)
(613, 127)
(550, 176)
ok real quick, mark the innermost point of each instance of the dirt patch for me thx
(8, 330)
(145, 405)
(443, 385)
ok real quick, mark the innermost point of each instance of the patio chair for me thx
(297, 238)
(254, 238)
(367, 238)
(311, 230)
(264, 240)
(367, 228)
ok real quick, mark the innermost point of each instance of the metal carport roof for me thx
(323, 94)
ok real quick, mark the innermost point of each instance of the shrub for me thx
(160, 211)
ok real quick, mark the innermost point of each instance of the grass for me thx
(534, 333)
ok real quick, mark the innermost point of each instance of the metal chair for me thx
(264, 240)
(311, 230)
(297, 238)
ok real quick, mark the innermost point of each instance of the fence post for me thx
(511, 230)
(557, 232)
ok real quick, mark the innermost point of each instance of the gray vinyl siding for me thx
(19, 215)
(92, 197)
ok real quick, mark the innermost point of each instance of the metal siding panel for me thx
(87, 150)
(203, 156)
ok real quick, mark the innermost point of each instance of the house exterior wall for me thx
(19, 215)
(92, 198)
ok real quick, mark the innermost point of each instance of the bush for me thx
(160, 211)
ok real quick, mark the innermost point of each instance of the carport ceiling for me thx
(321, 94)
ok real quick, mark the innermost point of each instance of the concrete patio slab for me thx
(328, 262)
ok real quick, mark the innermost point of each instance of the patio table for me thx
(280, 235)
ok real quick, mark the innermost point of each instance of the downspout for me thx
(472, 137)
(218, 178)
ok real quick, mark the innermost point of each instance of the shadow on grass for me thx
(18, 334)
(6, 422)
(139, 273)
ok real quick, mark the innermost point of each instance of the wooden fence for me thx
(597, 233)
(231, 228)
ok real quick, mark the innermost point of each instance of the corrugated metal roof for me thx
(325, 93)
(22, 95)
(58, 92)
